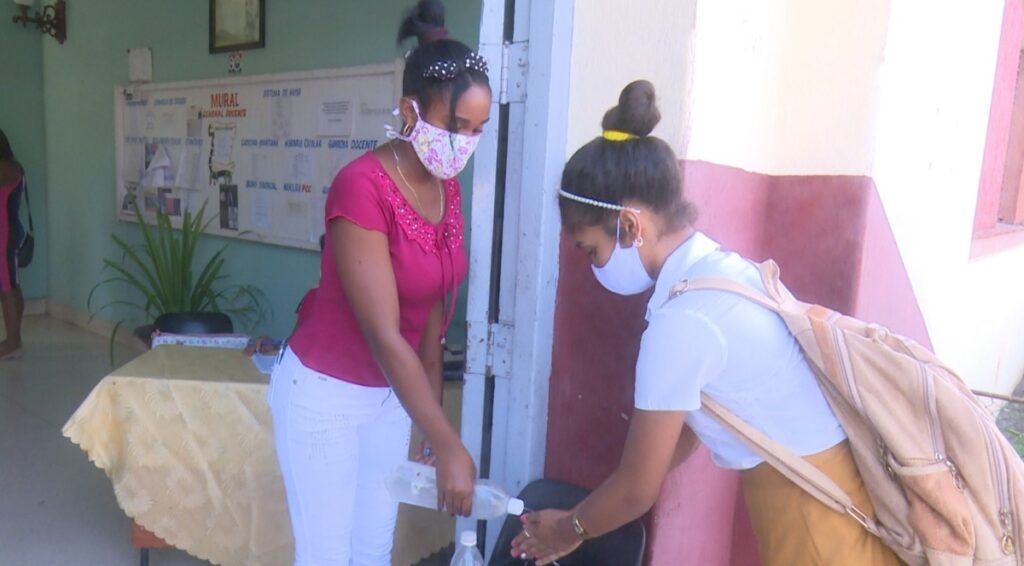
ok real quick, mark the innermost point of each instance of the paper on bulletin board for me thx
(193, 123)
(128, 200)
(222, 150)
(260, 167)
(261, 209)
(150, 200)
(133, 120)
(281, 118)
(335, 119)
(229, 207)
(131, 162)
(169, 119)
(158, 167)
(316, 218)
(190, 167)
(303, 167)
(169, 201)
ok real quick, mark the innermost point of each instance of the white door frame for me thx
(511, 353)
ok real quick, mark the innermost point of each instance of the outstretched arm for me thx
(627, 494)
(367, 276)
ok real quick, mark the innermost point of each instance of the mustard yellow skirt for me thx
(795, 529)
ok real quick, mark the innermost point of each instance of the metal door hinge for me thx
(489, 348)
(499, 349)
(515, 64)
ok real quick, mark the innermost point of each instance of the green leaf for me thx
(162, 271)
(113, 338)
(133, 280)
(130, 254)
(134, 306)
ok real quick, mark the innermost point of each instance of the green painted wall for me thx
(21, 118)
(78, 86)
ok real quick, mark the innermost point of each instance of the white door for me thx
(515, 236)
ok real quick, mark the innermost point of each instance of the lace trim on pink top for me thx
(433, 238)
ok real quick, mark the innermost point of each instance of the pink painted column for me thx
(1000, 114)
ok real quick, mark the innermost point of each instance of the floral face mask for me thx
(443, 153)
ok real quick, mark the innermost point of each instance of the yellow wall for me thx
(615, 42)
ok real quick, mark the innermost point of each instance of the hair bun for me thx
(424, 21)
(637, 112)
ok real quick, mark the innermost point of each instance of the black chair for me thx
(622, 547)
(194, 323)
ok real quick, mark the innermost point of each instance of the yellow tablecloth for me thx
(184, 433)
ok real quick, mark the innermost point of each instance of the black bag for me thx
(27, 248)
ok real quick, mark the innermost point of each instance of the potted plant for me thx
(173, 283)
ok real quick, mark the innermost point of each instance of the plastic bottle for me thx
(467, 553)
(416, 484)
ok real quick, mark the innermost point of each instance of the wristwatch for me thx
(577, 526)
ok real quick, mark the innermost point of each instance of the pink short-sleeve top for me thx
(429, 262)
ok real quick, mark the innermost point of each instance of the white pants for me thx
(336, 442)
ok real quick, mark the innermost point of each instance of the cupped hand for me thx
(547, 536)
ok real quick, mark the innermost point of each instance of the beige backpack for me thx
(947, 487)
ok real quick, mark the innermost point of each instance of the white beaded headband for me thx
(592, 202)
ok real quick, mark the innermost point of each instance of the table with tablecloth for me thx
(184, 434)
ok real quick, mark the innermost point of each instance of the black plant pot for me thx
(185, 323)
(194, 323)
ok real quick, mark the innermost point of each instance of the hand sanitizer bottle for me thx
(416, 484)
(467, 554)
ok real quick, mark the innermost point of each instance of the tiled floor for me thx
(56, 508)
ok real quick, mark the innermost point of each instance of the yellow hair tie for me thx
(617, 136)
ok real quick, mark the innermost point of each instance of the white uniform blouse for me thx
(734, 350)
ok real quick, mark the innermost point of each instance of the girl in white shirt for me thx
(622, 203)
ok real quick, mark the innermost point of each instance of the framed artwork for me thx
(237, 25)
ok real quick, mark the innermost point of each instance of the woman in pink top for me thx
(366, 352)
(12, 233)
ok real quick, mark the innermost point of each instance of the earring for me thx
(639, 242)
(407, 130)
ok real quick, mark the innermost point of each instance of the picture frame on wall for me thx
(236, 25)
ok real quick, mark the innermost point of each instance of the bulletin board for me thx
(260, 151)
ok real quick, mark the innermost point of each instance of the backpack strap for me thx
(722, 284)
(774, 299)
(801, 472)
(28, 205)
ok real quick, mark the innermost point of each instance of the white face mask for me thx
(624, 273)
(445, 154)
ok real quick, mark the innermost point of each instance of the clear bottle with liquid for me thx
(467, 553)
(416, 484)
